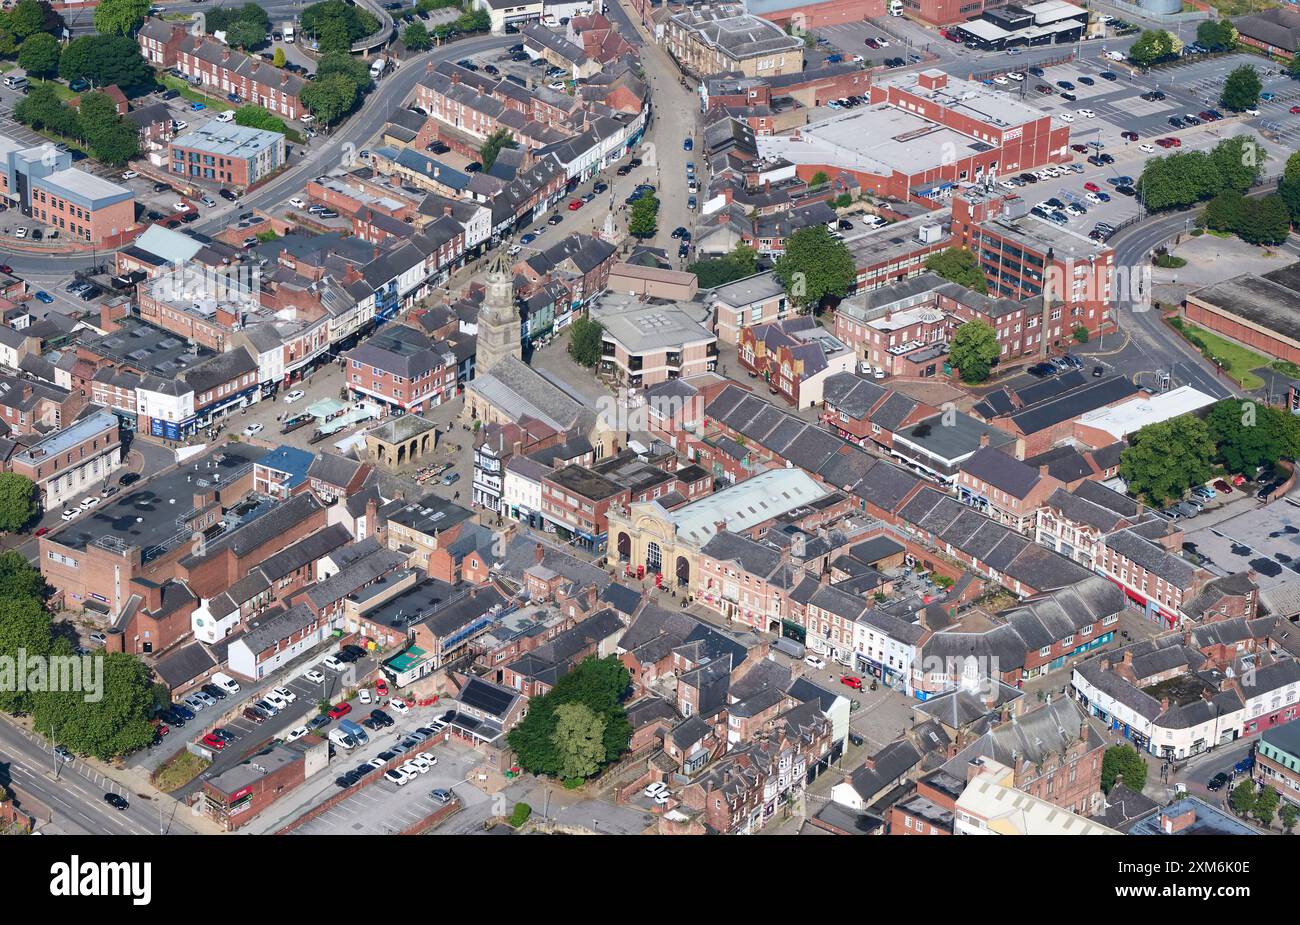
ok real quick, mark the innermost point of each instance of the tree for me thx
(1154, 46)
(815, 267)
(959, 265)
(42, 109)
(600, 685)
(718, 271)
(644, 219)
(333, 36)
(493, 144)
(1123, 763)
(106, 59)
(259, 117)
(1242, 88)
(24, 628)
(30, 17)
(342, 63)
(1164, 459)
(1268, 220)
(115, 724)
(18, 580)
(973, 349)
(819, 178)
(330, 98)
(585, 339)
(246, 34)
(416, 37)
(1216, 35)
(39, 55)
(278, 59)
(1238, 161)
(579, 740)
(1242, 799)
(1266, 806)
(1249, 435)
(120, 17)
(1290, 816)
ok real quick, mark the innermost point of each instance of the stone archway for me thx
(624, 547)
(683, 572)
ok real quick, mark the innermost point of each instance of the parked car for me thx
(852, 681)
(339, 710)
(253, 716)
(813, 661)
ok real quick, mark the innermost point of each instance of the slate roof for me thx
(1002, 471)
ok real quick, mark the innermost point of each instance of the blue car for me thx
(195, 107)
(688, 144)
(43, 296)
(528, 238)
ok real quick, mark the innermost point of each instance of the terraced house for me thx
(202, 59)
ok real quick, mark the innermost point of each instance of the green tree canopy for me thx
(1163, 460)
(18, 579)
(814, 267)
(1242, 798)
(1154, 46)
(416, 37)
(1242, 88)
(246, 34)
(120, 17)
(1122, 762)
(331, 98)
(116, 724)
(39, 55)
(585, 338)
(973, 349)
(106, 59)
(579, 740)
(1266, 805)
(28, 17)
(718, 271)
(277, 57)
(600, 686)
(959, 265)
(259, 117)
(1249, 434)
(492, 145)
(644, 220)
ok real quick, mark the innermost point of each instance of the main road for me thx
(75, 797)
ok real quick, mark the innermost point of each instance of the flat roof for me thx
(641, 326)
(68, 437)
(753, 501)
(1264, 540)
(1260, 301)
(86, 188)
(149, 515)
(229, 139)
(1121, 420)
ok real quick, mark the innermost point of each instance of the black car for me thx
(117, 801)
(1036, 71)
(225, 735)
(1108, 75)
(600, 188)
(1217, 782)
(491, 69)
(129, 479)
(1087, 81)
(1267, 490)
(343, 782)
(214, 692)
(354, 649)
(855, 739)
(474, 167)
(1069, 97)
(1041, 370)
(1065, 85)
(318, 722)
(1126, 190)
(555, 219)
(386, 756)
(1176, 121)
(227, 195)
(171, 94)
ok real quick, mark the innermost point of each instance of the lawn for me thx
(1236, 360)
(195, 96)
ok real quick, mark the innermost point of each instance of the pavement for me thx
(71, 795)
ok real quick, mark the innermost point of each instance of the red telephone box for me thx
(659, 579)
(640, 571)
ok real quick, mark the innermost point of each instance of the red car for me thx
(1129, 136)
(339, 710)
(1295, 111)
(5, 268)
(213, 742)
(42, 531)
(575, 205)
(1221, 485)
(381, 687)
(1169, 142)
(851, 681)
(1092, 187)
(1238, 480)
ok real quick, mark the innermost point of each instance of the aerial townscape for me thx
(642, 417)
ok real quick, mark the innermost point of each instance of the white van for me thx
(288, 35)
(15, 82)
(342, 739)
(225, 682)
(895, 7)
(227, 115)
